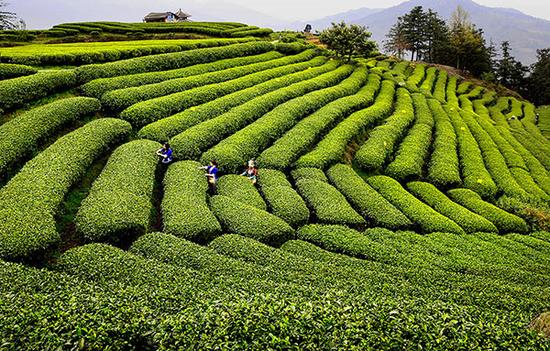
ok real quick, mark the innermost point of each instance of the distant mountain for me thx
(525, 33)
(40, 14)
(350, 16)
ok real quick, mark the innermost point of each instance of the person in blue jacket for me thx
(165, 153)
(211, 174)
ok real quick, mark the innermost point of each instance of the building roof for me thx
(157, 15)
(181, 14)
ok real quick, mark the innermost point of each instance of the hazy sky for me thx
(308, 9)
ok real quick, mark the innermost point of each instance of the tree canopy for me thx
(9, 20)
(348, 40)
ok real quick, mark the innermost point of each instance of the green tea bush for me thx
(469, 221)
(429, 81)
(413, 151)
(332, 147)
(31, 198)
(474, 173)
(419, 213)
(249, 221)
(282, 200)
(153, 110)
(169, 127)
(440, 88)
(8, 71)
(18, 91)
(98, 87)
(241, 189)
(464, 87)
(382, 139)
(185, 209)
(309, 130)
(120, 201)
(309, 173)
(260, 32)
(19, 136)
(504, 221)
(418, 74)
(363, 197)
(124, 98)
(452, 99)
(197, 139)
(257, 136)
(173, 60)
(327, 203)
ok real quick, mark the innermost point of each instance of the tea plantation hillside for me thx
(398, 206)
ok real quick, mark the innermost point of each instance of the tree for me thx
(510, 72)
(9, 20)
(348, 41)
(396, 42)
(539, 81)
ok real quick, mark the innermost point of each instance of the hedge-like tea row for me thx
(310, 129)
(333, 146)
(283, 201)
(249, 221)
(173, 60)
(124, 98)
(440, 89)
(309, 173)
(30, 199)
(418, 74)
(169, 127)
(382, 140)
(426, 217)
(240, 188)
(494, 161)
(364, 198)
(21, 135)
(120, 200)
(474, 173)
(526, 181)
(257, 136)
(185, 211)
(195, 140)
(504, 221)
(327, 203)
(153, 110)
(98, 87)
(17, 91)
(443, 168)
(8, 71)
(260, 32)
(469, 221)
(413, 151)
(451, 96)
(427, 85)
(464, 87)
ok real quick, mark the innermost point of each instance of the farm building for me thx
(179, 16)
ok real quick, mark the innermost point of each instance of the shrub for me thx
(309, 173)
(185, 209)
(418, 74)
(169, 127)
(31, 198)
(120, 201)
(155, 109)
(474, 173)
(21, 135)
(241, 189)
(249, 221)
(332, 147)
(439, 92)
(413, 151)
(452, 99)
(98, 87)
(428, 83)
(504, 221)
(469, 221)
(124, 98)
(327, 203)
(310, 129)
(17, 91)
(195, 140)
(170, 60)
(255, 137)
(283, 201)
(363, 197)
(426, 217)
(381, 142)
(8, 71)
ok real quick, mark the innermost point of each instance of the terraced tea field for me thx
(397, 206)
